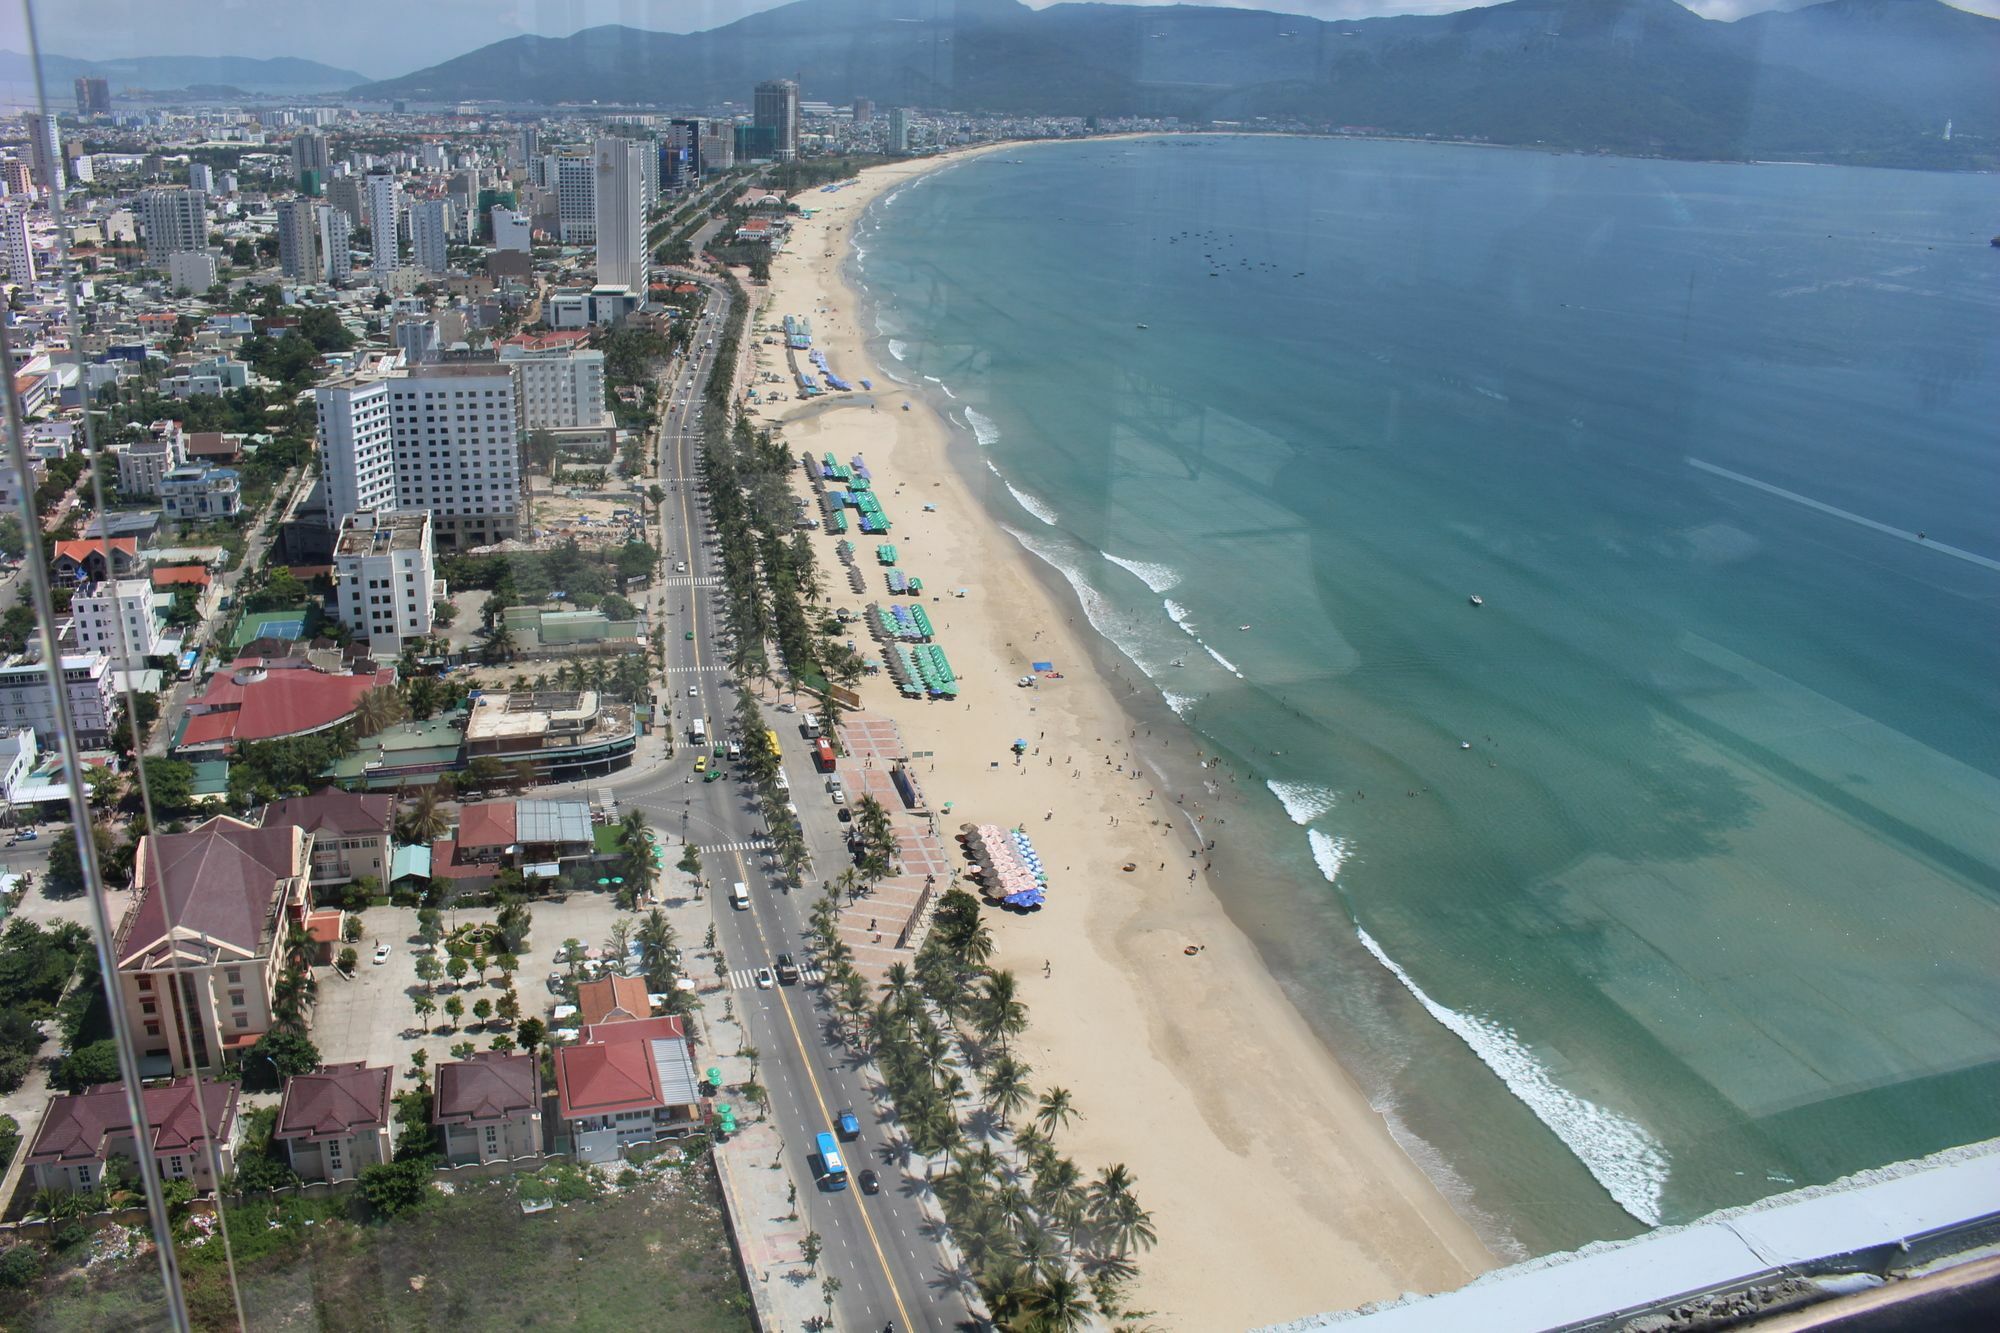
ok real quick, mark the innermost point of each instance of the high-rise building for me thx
(430, 226)
(18, 176)
(336, 247)
(175, 219)
(775, 107)
(864, 111)
(680, 153)
(527, 145)
(446, 438)
(899, 130)
(45, 150)
(649, 176)
(575, 182)
(344, 193)
(192, 271)
(93, 97)
(298, 240)
(201, 177)
(17, 251)
(385, 577)
(718, 146)
(117, 618)
(381, 201)
(309, 154)
(512, 231)
(623, 258)
(561, 389)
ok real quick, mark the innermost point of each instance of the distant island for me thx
(1860, 82)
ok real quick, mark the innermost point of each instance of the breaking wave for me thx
(1155, 576)
(984, 428)
(1303, 801)
(1329, 853)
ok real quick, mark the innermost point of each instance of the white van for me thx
(698, 731)
(735, 749)
(739, 896)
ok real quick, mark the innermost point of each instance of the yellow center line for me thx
(806, 1060)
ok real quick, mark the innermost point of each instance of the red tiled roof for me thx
(662, 1028)
(335, 811)
(339, 1099)
(611, 999)
(445, 863)
(324, 925)
(218, 881)
(171, 576)
(606, 1078)
(486, 824)
(76, 1125)
(282, 703)
(492, 1085)
(81, 549)
(541, 342)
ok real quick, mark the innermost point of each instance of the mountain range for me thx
(173, 73)
(1870, 81)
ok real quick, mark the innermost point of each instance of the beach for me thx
(1276, 1189)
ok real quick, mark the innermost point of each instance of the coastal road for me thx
(883, 1248)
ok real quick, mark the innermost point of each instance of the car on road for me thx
(788, 970)
(694, 691)
(844, 814)
(381, 954)
(848, 1123)
(701, 763)
(838, 793)
(688, 635)
(870, 1182)
(27, 835)
(765, 980)
(714, 775)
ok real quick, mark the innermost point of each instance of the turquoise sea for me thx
(1669, 877)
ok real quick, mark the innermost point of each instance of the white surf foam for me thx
(1303, 801)
(947, 391)
(1329, 853)
(1618, 1151)
(1180, 703)
(984, 428)
(1097, 609)
(1033, 504)
(899, 349)
(1227, 665)
(1181, 616)
(893, 196)
(1155, 576)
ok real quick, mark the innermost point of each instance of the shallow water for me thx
(1667, 877)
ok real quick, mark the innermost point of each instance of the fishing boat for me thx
(1477, 600)
(1145, 326)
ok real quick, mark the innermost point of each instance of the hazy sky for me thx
(384, 38)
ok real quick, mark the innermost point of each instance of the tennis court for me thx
(283, 623)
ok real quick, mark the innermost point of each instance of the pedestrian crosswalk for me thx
(687, 670)
(690, 581)
(752, 845)
(745, 978)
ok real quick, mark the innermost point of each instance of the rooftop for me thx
(215, 888)
(338, 1100)
(77, 1126)
(378, 533)
(492, 1085)
(611, 999)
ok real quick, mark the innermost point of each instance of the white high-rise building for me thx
(430, 224)
(512, 230)
(26, 700)
(45, 157)
(623, 258)
(385, 576)
(193, 271)
(175, 219)
(446, 438)
(298, 240)
(381, 202)
(309, 153)
(357, 450)
(201, 177)
(17, 250)
(560, 389)
(336, 246)
(899, 130)
(575, 182)
(119, 619)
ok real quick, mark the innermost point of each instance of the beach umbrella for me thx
(602, 882)
(714, 1076)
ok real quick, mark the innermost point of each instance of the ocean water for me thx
(1668, 877)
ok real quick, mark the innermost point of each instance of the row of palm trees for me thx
(1047, 1247)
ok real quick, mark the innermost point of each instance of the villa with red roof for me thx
(96, 559)
(82, 1131)
(337, 1123)
(489, 1107)
(613, 1000)
(625, 1083)
(250, 703)
(199, 950)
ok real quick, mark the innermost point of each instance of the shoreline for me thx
(1312, 1205)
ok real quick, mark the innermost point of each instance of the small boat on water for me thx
(1241, 628)
(1177, 663)
(1145, 326)
(1477, 600)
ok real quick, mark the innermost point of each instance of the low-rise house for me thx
(489, 1108)
(613, 1000)
(533, 837)
(200, 949)
(198, 492)
(561, 734)
(98, 560)
(627, 1083)
(82, 1131)
(337, 1123)
(352, 833)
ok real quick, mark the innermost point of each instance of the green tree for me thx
(277, 1056)
(395, 1188)
(88, 1065)
(810, 1250)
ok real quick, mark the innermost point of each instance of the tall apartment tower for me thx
(201, 177)
(16, 250)
(527, 145)
(336, 247)
(357, 451)
(344, 193)
(298, 240)
(45, 150)
(623, 259)
(864, 111)
(176, 220)
(899, 130)
(93, 97)
(309, 153)
(681, 153)
(718, 146)
(381, 201)
(575, 183)
(430, 226)
(775, 107)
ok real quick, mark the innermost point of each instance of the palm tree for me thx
(377, 710)
(896, 981)
(1110, 1188)
(1001, 1015)
(632, 833)
(1056, 1303)
(1007, 1091)
(1130, 1226)
(1055, 1110)
(424, 820)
